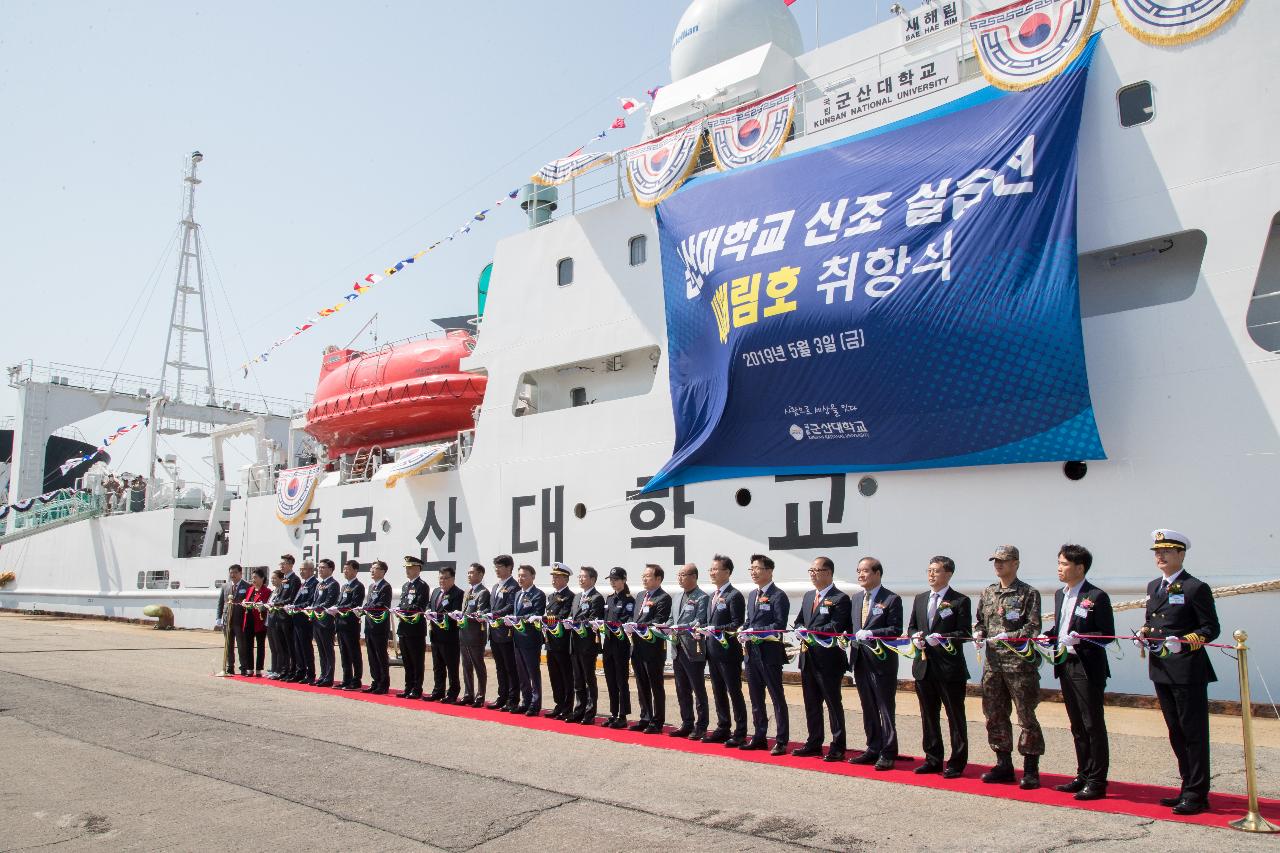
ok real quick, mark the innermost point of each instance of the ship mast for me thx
(188, 319)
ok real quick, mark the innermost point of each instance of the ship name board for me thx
(873, 91)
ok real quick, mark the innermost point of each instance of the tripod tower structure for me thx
(188, 339)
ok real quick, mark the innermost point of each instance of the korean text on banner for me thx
(905, 299)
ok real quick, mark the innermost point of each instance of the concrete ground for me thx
(116, 737)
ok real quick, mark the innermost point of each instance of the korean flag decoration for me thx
(1174, 21)
(751, 133)
(657, 168)
(412, 462)
(294, 490)
(567, 168)
(1029, 42)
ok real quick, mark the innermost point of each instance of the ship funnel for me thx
(538, 202)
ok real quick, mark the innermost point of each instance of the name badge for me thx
(1013, 615)
(1178, 598)
(823, 610)
(1081, 612)
(877, 609)
(722, 606)
(765, 607)
(689, 605)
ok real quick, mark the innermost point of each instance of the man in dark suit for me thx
(529, 602)
(559, 661)
(472, 636)
(502, 600)
(304, 653)
(584, 647)
(411, 628)
(938, 618)
(349, 627)
(445, 642)
(377, 630)
(323, 625)
(726, 612)
(767, 611)
(877, 612)
(1081, 608)
(826, 610)
(649, 656)
(289, 586)
(230, 615)
(1181, 612)
(690, 660)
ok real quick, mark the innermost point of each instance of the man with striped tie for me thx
(877, 613)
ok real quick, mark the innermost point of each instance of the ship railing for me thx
(608, 183)
(360, 467)
(144, 388)
(74, 505)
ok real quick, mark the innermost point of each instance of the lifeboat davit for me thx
(401, 394)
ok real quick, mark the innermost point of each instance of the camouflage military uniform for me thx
(1007, 678)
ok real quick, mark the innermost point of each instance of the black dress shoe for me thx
(806, 751)
(1170, 802)
(479, 703)
(382, 691)
(754, 744)
(834, 755)
(654, 729)
(683, 731)
(928, 767)
(952, 773)
(640, 726)
(369, 689)
(1091, 792)
(885, 763)
(449, 700)
(404, 694)
(715, 737)
(497, 706)
(575, 717)
(1190, 807)
(779, 748)
(433, 697)
(619, 723)
(1074, 786)
(328, 685)
(734, 742)
(553, 714)
(533, 712)
(865, 758)
(518, 709)
(588, 720)
(467, 700)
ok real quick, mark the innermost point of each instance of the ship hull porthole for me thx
(1075, 470)
(742, 497)
(579, 510)
(867, 486)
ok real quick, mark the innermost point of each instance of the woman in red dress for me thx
(255, 626)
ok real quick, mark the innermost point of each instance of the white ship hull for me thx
(1187, 402)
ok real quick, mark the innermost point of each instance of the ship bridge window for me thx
(638, 246)
(564, 272)
(1136, 104)
(1153, 272)
(1263, 319)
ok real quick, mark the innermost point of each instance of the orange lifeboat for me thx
(400, 394)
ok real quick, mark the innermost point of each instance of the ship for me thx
(538, 429)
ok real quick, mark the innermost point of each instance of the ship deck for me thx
(118, 734)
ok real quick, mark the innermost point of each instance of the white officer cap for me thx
(1166, 538)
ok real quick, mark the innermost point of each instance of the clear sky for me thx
(338, 138)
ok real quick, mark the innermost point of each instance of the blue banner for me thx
(907, 298)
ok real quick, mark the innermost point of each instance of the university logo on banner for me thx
(568, 168)
(752, 133)
(1027, 43)
(294, 491)
(657, 168)
(1174, 21)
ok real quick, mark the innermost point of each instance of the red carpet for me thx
(1122, 797)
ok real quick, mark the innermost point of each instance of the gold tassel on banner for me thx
(1148, 37)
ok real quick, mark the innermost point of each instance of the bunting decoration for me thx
(657, 168)
(555, 172)
(294, 490)
(1029, 42)
(106, 442)
(566, 169)
(1166, 22)
(752, 133)
(413, 462)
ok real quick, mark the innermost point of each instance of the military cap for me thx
(560, 569)
(617, 573)
(1166, 538)
(411, 560)
(1005, 552)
